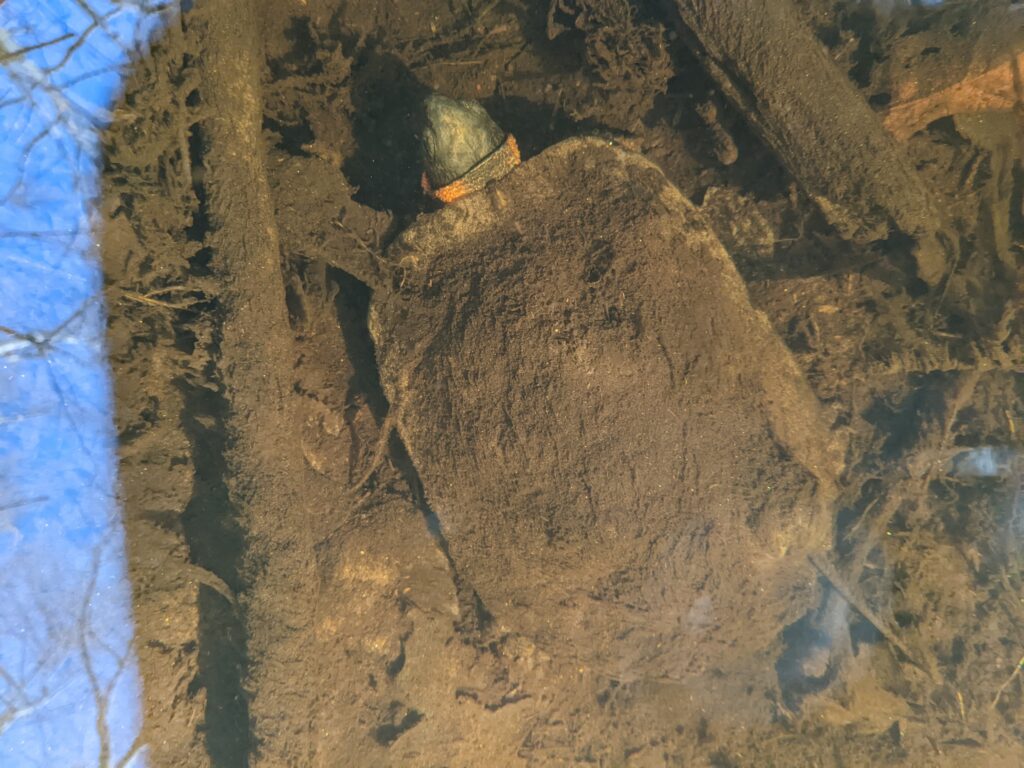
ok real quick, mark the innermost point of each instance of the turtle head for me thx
(458, 135)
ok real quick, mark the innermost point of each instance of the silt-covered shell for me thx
(625, 460)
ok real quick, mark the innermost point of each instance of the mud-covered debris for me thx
(743, 224)
(767, 61)
(627, 61)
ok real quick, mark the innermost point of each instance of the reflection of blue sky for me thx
(69, 689)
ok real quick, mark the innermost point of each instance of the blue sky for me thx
(65, 607)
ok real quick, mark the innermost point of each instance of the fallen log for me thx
(267, 477)
(777, 73)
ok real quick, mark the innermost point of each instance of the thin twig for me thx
(380, 450)
(152, 299)
(844, 591)
(1013, 676)
(208, 578)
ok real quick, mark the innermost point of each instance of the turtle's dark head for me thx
(458, 135)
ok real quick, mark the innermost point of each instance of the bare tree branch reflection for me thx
(6, 55)
(90, 643)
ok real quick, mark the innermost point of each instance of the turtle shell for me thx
(624, 458)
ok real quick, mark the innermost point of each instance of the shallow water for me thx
(221, 544)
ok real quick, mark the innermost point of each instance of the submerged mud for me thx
(309, 591)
